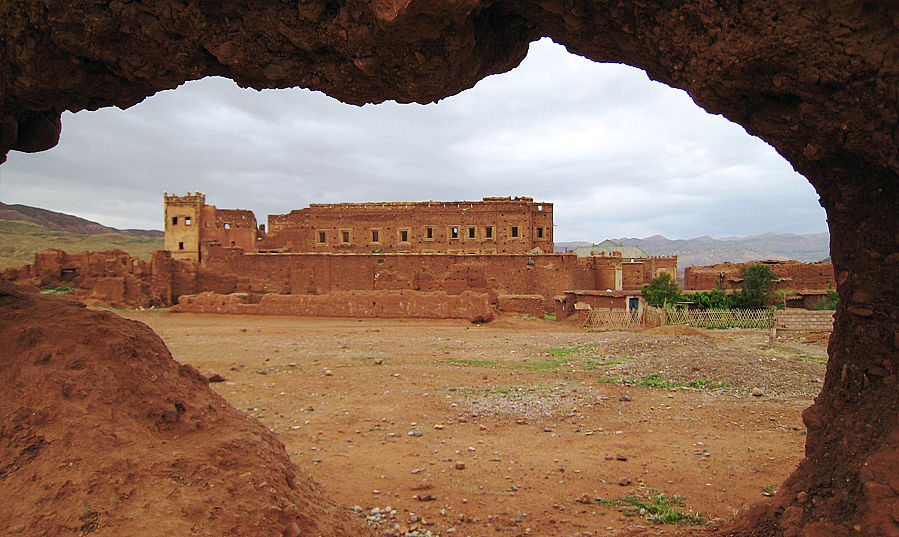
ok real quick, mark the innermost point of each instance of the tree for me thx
(758, 282)
(662, 290)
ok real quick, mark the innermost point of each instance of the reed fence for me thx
(762, 319)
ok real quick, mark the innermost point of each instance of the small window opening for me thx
(404, 236)
(186, 220)
(539, 232)
(321, 237)
(345, 236)
(514, 231)
(471, 232)
(454, 233)
(488, 232)
(227, 225)
(430, 232)
(174, 220)
(375, 236)
(180, 245)
(232, 243)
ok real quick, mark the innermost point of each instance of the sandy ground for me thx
(518, 426)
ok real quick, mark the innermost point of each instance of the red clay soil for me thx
(103, 433)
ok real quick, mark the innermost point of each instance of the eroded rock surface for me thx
(819, 81)
(105, 434)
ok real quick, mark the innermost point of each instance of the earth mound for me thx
(105, 434)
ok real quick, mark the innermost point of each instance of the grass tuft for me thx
(656, 508)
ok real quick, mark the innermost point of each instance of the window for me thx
(227, 225)
(174, 220)
(514, 231)
(186, 220)
(454, 232)
(488, 232)
(404, 235)
(321, 237)
(429, 233)
(375, 236)
(180, 245)
(471, 232)
(539, 232)
(345, 236)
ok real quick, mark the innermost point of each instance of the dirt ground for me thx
(518, 426)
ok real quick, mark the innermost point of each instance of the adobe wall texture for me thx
(793, 275)
(494, 225)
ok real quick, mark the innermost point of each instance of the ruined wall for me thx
(494, 225)
(792, 275)
(110, 277)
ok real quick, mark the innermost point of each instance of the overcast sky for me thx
(618, 155)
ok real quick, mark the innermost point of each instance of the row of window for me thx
(403, 235)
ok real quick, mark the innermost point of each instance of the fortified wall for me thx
(792, 275)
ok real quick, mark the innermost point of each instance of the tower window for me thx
(375, 236)
(174, 220)
(186, 220)
(404, 235)
(429, 232)
(471, 232)
(488, 232)
(180, 245)
(345, 236)
(514, 231)
(539, 232)
(321, 237)
(454, 233)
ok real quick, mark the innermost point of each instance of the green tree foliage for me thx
(828, 302)
(758, 283)
(662, 290)
(716, 299)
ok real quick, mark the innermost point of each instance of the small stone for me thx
(625, 398)
(624, 481)
(621, 457)
(521, 422)
(328, 372)
(439, 426)
(757, 392)
(215, 377)
(547, 430)
(425, 497)
(459, 465)
(379, 361)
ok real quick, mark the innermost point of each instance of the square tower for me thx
(183, 216)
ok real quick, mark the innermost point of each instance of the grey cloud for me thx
(617, 154)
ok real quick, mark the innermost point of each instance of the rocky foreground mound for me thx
(103, 433)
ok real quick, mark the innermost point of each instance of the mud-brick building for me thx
(189, 223)
(495, 225)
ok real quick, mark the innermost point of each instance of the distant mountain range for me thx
(25, 231)
(706, 250)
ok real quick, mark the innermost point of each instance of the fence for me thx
(610, 319)
(758, 319)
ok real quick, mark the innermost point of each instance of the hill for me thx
(25, 231)
(708, 251)
(66, 222)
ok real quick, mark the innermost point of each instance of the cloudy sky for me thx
(618, 155)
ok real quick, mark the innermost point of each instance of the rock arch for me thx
(818, 82)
